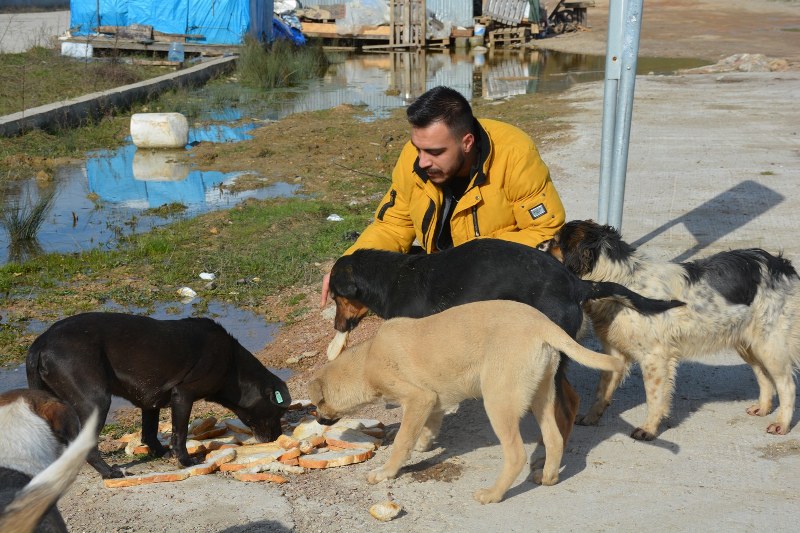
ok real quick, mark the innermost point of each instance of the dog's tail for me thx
(31, 503)
(629, 298)
(561, 341)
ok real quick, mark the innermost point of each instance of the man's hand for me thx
(326, 280)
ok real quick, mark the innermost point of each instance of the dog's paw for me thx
(113, 473)
(641, 434)
(539, 478)
(189, 461)
(756, 410)
(487, 496)
(378, 475)
(776, 429)
(586, 420)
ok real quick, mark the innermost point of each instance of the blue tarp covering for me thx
(218, 21)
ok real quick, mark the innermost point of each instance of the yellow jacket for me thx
(510, 197)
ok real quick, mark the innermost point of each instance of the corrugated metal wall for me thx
(459, 12)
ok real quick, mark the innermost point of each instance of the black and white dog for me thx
(747, 300)
(34, 427)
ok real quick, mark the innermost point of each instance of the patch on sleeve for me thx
(537, 211)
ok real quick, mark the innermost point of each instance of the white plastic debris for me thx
(186, 292)
(208, 276)
(335, 218)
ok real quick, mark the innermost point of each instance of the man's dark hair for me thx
(441, 104)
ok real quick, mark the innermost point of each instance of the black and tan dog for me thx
(34, 429)
(502, 351)
(746, 300)
(87, 358)
(392, 284)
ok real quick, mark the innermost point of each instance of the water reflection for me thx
(105, 197)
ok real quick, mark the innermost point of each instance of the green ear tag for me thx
(278, 396)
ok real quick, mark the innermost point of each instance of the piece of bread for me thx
(385, 511)
(337, 344)
(237, 426)
(350, 438)
(243, 462)
(210, 433)
(332, 459)
(286, 442)
(260, 476)
(144, 479)
(308, 445)
(308, 427)
(294, 453)
(201, 425)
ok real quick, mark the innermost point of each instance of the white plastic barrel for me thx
(159, 165)
(159, 130)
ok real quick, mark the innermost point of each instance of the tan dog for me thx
(503, 351)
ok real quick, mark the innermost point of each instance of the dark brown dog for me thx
(87, 358)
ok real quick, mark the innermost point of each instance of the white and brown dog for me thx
(34, 427)
(747, 300)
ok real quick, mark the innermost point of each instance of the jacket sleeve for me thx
(392, 228)
(538, 210)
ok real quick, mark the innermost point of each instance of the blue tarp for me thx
(218, 21)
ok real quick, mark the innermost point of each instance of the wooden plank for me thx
(328, 29)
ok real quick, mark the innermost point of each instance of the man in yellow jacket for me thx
(460, 178)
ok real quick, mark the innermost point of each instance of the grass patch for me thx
(27, 79)
(271, 244)
(279, 65)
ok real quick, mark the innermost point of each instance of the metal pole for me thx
(613, 189)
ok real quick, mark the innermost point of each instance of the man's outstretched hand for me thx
(326, 280)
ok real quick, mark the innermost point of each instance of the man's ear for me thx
(467, 142)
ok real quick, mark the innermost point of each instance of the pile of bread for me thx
(229, 446)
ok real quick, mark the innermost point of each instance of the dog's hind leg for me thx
(430, 431)
(84, 410)
(779, 369)
(504, 417)
(766, 388)
(417, 404)
(543, 408)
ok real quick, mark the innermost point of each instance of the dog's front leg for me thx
(150, 432)
(658, 371)
(181, 403)
(417, 406)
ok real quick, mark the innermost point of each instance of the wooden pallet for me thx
(502, 37)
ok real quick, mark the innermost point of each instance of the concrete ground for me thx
(21, 31)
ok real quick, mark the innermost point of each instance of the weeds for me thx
(22, 222)
(280, 65)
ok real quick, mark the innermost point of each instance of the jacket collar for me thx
(484, 150)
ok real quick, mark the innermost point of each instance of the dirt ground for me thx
(600, 490)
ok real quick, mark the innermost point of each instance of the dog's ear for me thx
(280, 395)
(342, 281)
(315, 392)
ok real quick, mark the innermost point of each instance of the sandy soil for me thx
(609, 482)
